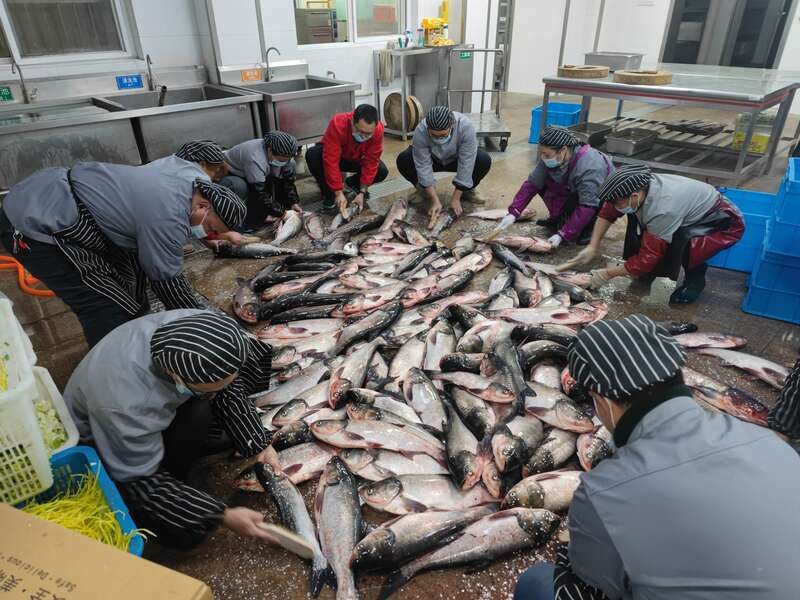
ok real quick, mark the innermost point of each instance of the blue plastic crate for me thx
(756, 207)
(787, 209)
(784, 238)
(77, 461)
(558, 113)
(773, 304)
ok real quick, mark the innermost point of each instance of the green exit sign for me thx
(5, 94)
(464, 55)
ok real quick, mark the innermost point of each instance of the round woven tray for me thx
(394, 119)
(643, 77)
(583, 71)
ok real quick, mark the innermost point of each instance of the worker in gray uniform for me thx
(98, 234)
(445, 141)
(567, 177)
(262, 173)
(673, 222)
(201, 159)
(147, 397)
(692, 504)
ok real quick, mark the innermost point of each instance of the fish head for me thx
(327, 428)
(336, 472)
(247, 481)
(508, 451)
(289, 371)
(747, 406)
(337, 390)
(539, 524)
(356, 459)
(528, 494)
(246, 303)
(363, 412)
(541, 462)
(374, 550)
(289, 412)
(466, 469)
(381, 493)
(470, 344)
(492, 480)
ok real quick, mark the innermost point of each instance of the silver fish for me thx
(594, 447)
(377, 434)
(502, 280)
(377, 374)
(351, 373)
(513, 443)
(396, 212)
(710, 340)
(766, 370)
(508, 298)
(556, 409)
(417, 493)
(404, 538)
(300, 463)
(487, 539)
(290, 226)
(294, 516)
(446, 218)
(462, 452)
(410, 355)
(423, 397)
(303, 381)
(510, 259)
(376, 464)
(313, 225)
(339, 523)
(475, 262)
(551, 491)
(439, 342)
(299, 329)
(392, 404)
(474, 412)
(227, 250)
(556, 449)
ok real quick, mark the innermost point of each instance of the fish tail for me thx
(321, 574)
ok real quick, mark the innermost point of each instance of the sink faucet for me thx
(17, 70)
(266, 60)
(151, 83)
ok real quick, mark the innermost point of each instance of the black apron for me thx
(677, 255)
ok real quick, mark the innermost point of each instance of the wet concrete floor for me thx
(239, 569)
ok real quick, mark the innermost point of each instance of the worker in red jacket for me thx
(353, 143)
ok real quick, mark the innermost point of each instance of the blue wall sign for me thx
(129, 82)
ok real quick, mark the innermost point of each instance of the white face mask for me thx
(181, 388)
(198, 231)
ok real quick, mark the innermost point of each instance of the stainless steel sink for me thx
(60, 134)
(226, 115)
(172, 97)
(302, 106)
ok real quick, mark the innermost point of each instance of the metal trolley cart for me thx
(487, 124)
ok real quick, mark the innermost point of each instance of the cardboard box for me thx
(44, 561)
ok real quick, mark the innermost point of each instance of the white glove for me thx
(555, 240)
(506, 221)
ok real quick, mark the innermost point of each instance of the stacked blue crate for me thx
(757, 208)
(774, 285)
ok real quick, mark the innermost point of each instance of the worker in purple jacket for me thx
(567, 177)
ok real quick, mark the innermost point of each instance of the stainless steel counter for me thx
(729, 88)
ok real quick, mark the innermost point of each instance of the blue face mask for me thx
(198, 231)
(183, 390)
(441, 141)
(628, 210)
(360, 138)
(277, 163)
(551, 163)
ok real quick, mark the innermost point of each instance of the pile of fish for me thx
(451, 409)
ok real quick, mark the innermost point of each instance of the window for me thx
(322, 21)
(329, 21)
(53, 27)
(377, 17)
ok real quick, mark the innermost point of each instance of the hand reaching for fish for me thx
(244, 521)
(341, 204)
(455, 203)
(358, 201)
(433, 213)
(583, 258)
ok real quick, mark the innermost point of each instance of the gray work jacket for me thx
(694, 506)
(462, 147)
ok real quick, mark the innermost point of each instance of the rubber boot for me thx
(693, 284)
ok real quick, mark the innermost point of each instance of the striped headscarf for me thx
(624, 181)
(439, 118)
(202, 348)
(281, 143)
(557, 137)
(619, 358)
(205, 150)
(226, 203)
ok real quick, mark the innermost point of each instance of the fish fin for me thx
(292, 469)
(318, 579)
(357, 437)
(394, 582)
(413, 506)
(477, 567)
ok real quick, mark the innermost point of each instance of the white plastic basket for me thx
(24, 461)
(48, 395)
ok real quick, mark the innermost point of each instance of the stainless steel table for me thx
(729, 88)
